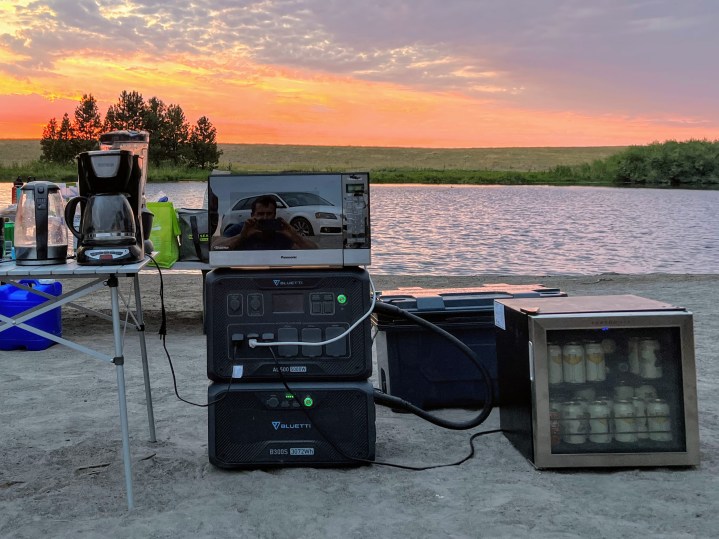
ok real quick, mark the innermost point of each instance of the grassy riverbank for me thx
(386, 165)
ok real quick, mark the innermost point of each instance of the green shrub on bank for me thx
(694, 162)
(670, 163)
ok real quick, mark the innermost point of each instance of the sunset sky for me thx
(429, 73)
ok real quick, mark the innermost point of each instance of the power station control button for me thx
(328, 307)
(316, 307)
(234, 304)
(255, 305)
(273, 402)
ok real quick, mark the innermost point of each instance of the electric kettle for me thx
(40, 232)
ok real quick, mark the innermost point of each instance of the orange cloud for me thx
(255, 103)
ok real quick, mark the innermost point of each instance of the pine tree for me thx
(174, 142)
(155, 122)
(203, 145)
(48, 142)
(88, 124)
(128, 113)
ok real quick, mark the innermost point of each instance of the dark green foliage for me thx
(87, 125)
(128, 113)
(693, 162)
(203, 145)
(155, 121)
(175, 136)
(670, 163)
(58, 142)
(169, 132)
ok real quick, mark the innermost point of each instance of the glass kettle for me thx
(40, 231)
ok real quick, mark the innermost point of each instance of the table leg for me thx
(120, 369)
(125, 434)
(143, 351)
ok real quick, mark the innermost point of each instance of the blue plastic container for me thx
(14, 300)
(429, 371)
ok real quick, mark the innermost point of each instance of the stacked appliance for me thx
(111, 185)
(288, 348)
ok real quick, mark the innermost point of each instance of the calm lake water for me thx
(521, 230)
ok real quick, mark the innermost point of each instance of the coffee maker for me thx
(111, 184)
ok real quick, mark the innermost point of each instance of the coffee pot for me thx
(40, 233)
(107, 232)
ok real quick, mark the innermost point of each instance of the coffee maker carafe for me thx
(110, 187)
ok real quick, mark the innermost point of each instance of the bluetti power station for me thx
(287, 305)
(288, 247)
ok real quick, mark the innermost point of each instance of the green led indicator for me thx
(341, 299)
(308, 402)
(289, 396)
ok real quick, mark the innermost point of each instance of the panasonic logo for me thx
(287, 257)
(278, 425)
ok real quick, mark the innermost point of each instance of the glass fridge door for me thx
(615, 390)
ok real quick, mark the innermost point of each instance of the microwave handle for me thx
(531, 361)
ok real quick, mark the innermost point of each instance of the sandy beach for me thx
(61, 469)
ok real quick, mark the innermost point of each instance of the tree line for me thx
(172, 139)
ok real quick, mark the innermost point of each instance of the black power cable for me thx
(163, 336)
(383, 399)
(308, 414)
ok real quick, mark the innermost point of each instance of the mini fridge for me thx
(597, 381)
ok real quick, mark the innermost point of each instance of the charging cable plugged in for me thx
(253, 340)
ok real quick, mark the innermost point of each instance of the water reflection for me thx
(469, 230)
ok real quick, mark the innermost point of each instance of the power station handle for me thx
(70, 215)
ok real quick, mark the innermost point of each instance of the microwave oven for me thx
(289, 220)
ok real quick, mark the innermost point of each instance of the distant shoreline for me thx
(275, 157)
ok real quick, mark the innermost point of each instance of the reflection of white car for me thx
(309, 213)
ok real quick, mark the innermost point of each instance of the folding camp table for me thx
(99, 278)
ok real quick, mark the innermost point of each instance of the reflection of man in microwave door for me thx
(311, 215)
(263, 229)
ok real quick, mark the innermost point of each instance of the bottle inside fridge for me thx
(615, 390)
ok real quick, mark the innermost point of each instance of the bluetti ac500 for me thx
(288, 305)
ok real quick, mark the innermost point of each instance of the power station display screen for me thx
(288, 303)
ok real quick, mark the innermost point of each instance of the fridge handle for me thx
(531, 361)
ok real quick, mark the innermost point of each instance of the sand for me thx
(61, 471)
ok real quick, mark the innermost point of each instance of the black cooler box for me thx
(428, 370)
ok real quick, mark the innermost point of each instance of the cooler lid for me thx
(587, 304)
(481, 298)
(124, 135)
